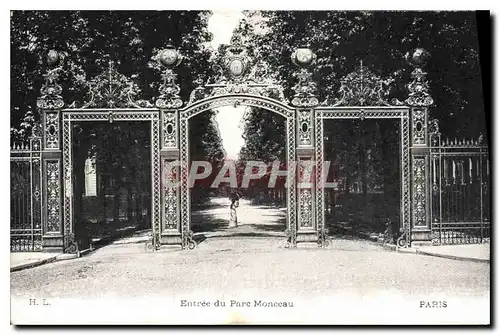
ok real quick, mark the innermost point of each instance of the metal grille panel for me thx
(25, 203)
(460, 192)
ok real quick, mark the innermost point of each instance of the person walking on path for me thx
(233, 219)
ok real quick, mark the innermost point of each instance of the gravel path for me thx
(233, 264)
(258, 266)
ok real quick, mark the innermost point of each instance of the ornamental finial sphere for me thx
(303, 56)
(169, 57)
(52, 57)
(419, 56)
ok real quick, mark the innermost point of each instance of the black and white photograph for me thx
(250, 167)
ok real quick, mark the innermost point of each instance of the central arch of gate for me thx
(238, 84)
(182, 154)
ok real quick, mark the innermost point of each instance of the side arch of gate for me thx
(397, 113)
(130, 114)
(111, 99)
(362, 95)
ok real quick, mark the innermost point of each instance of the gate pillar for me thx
(419, 101)
(170, 231)
(50, 103)
(305, 100)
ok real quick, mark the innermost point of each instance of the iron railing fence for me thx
(460, 190)
(26, 194)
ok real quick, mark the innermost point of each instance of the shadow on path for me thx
(253, 220)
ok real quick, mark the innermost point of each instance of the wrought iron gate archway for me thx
(400, 114)
(213, 102)
(115, 115)
(238, 82)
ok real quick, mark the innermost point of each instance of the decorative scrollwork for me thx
(305, 194)
(404, 240)
(236, 61)
(305, 90)
(291, 190)
(319, 189)
(435, 237)
(233, 100)
(419, 87)
(434, 133)
(112, 89)
(419, 191)
(305, 128)
(67, 163)
(406, 173)
(170, 208)
(433, 126)
(397, 102)
(156, 175)
(50, 93)
(185, 199)
(53, 196)
(169, 91)
(306, 210)
(362, 88)
(188, 241)
(170, 198)
(265, 89)
(170, 129)
(364, 113)
(71, 246)
(419, 127)
(117, 115)
(52, 130)
(237, 73)
(321, 232)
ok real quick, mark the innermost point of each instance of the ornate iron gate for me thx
(460, 184)
(361, 96)
(400, 114)
(116, 115)
(25, 203)
(225, 98)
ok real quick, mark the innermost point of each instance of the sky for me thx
(221, 24)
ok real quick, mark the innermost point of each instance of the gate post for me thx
(170, 231)
(419, 101)
(305, 101)
(50, 103)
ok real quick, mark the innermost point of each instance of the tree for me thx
(265, 140)
(381, 39)
(265, 136)
(206, 146)
(88, 40)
